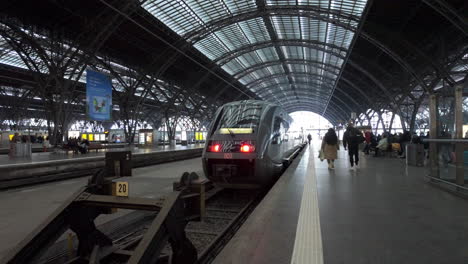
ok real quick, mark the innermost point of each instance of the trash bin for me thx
(27, 151)
(19, 149)
(415, 155)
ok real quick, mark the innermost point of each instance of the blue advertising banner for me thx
(98, 96)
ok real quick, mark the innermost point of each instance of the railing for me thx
(447, 161)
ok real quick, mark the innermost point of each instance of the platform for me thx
(38, 148)
(51, 167)
(49, 156)
(384, 212)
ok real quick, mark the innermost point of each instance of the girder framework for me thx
(259, 40)
(57, 67)
(294, 53)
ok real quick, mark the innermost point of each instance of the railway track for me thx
(196, 221)
(20, 175)
(226, 210)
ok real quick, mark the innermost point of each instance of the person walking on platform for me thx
(330, 147)
(367, 136)
(351, 140)
(309, 138)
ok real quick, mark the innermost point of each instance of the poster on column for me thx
(98, 96)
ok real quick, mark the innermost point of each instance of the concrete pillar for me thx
(459, 147)
(433, 132)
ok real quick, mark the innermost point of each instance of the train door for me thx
(277, 139)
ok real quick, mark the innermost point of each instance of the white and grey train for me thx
(247, 144)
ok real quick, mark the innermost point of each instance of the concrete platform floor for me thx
(47, 156)
(21, 210)
(385, 212)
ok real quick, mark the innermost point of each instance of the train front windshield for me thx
(239, 119)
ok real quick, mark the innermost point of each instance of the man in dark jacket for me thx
(351, 139)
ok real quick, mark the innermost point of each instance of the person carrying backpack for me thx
(351, 139)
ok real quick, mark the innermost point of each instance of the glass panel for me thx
(240, 116)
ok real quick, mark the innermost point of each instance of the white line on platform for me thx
(30, 190)
(308, 243)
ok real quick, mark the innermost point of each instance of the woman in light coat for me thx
(330, 147)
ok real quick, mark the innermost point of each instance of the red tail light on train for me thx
(246, 148)
(216, 148)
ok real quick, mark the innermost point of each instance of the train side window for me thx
(277, 131)
(215, 125)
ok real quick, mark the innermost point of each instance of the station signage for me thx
(98, 96)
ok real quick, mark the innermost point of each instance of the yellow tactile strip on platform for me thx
(308, 243)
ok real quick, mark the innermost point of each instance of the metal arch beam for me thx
(449, 13)
(332, 118)
(314, 108)
(260, 66)
(329, 117)
(309, 107)
(304, 92)
(310, 94)
(405, 65)
(347, 96)
(313, 44)
(440, 69)
(303, 43)
(355, 87)
(261, 6)
(324, 14)
(303, 11)
(319, 91)
(374, 79)
(349, 82)
(257, 82)
(299, 101)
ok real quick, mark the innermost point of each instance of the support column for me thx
(433, 127)
(460, 179)
(416, 106)
(390, 126)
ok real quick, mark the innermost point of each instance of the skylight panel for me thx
(232, 36)
(293, 52)
(267, 54)
(211, 47)
(255, 30)
(235, 65)
(189, 16)
(276, 69)
(175, 14)
(258, 73)
(207, 10)
(248, 79)
(286, 27)
(280, 2)
(241, 6)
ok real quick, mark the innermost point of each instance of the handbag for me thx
(321, 155)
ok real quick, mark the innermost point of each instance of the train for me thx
(247, 144)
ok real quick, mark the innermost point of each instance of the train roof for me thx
(265, 103)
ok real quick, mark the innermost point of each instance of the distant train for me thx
(247, 144)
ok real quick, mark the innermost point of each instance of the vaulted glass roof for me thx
(277, 48)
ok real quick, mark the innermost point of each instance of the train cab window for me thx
(241, 118)
(277, 127)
